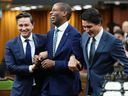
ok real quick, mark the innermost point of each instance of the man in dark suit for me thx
(62, 80)
(18, 57)
(101, 50)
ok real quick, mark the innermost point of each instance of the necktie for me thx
(28, 52)
(92, 50)
(55, 41)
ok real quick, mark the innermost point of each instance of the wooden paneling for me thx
(8, 28)
(120, 15)
(75, 20)
(41, 21)
(106, 17)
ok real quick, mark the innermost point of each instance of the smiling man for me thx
(62, 42)
(101, 50)
(19, 54)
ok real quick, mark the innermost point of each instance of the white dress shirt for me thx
(31, 41)
(97, 38)
(60, 33)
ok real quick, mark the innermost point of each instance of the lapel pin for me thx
(66, 34)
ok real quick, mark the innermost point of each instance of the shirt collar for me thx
(63, 27)
(23, 39)
(98, 36)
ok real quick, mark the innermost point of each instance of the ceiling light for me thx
(77, 7)
(87, 6)
(33, 7)
(25, 8)
(117, 3)
(15, 9)
(40, 6)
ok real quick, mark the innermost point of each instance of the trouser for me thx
(45, 92)
(35, 91)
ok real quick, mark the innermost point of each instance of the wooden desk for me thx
(83, 77)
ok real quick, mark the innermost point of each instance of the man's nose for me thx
(23, 28)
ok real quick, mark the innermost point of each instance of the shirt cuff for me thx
(30, 68)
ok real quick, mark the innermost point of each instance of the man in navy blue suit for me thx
(100, 55)
(63, 79)
(21, 49)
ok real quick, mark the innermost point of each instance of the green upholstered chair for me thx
(5, 87)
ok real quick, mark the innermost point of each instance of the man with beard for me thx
(18, 57)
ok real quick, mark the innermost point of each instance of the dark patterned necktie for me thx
(92, 50)
(55, 41)
(28, 52)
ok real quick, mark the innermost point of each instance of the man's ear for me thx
(65, 13)
(33, 24)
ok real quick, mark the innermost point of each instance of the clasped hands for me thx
(42, 61)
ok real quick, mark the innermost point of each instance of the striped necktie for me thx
(55, 41)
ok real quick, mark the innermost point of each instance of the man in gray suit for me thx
(18, 57)
(101, 50)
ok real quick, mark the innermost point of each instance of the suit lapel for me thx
(85, 40)
(35, 39)
(19, 48)
(63, 39)
(50, 42)
(100, 47)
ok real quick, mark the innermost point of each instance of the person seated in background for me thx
(126, 46)
(125, 29)
(119, 34)
(116, 28)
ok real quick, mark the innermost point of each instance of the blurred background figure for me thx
(125, 29)
(126, 46)
(119, 34)
(116, 28)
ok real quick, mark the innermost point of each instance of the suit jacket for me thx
(63, 82)
(108, 52)
(16, 64)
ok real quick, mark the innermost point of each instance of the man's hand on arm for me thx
(74, 64)
(47, 64)
(43, 55)
(37, 59)
(40, 57)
